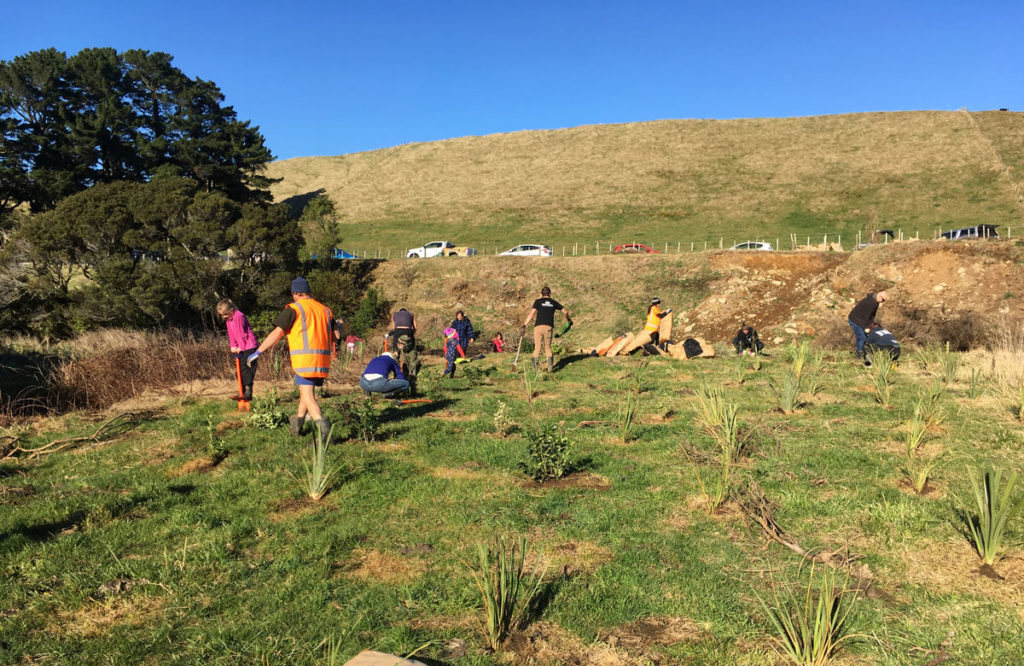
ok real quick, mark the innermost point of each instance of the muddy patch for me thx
(642, 635)
(294, 507)
(548, 643)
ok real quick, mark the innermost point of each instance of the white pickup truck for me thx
(440, 249)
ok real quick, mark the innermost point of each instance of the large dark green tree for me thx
(149, 254)
(101, 116)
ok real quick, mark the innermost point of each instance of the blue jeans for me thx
(858, 331)
(382, 385)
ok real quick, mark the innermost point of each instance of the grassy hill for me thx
(677, 181)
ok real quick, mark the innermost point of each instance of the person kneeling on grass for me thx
(376, 377)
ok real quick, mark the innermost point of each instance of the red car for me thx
(639, 248)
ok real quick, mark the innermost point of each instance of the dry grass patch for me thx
(575, 557)
(383, 567)
(97, 617)
(549, 643)
(955, 568)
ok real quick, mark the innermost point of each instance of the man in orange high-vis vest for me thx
(312, 333)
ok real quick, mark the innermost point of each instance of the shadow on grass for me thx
(394, 414)
(45, 531)
(566, 361)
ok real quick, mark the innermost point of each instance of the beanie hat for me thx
(450, 333)
(300, 285)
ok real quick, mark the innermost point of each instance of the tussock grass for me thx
(994, 509)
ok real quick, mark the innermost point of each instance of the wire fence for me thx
(828, 242)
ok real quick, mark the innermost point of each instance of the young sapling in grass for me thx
(264, 413)
(549, 454)
(974, 390)
(504, 424)
(629, 401)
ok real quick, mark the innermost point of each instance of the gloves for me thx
(668, 310)
(252, 358)
(569, 320)
(522, 330)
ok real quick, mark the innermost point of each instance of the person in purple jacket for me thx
(243, 343)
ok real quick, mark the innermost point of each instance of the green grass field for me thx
(188, 540)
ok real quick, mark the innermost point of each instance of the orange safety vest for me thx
(653, 320)
(311, 340)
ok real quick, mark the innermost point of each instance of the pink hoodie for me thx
(240, 332)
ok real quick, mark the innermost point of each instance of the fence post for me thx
(721, 244)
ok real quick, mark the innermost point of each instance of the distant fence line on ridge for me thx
(828, 242)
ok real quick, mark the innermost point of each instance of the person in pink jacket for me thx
(243, 343)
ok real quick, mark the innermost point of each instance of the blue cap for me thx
(300, 285)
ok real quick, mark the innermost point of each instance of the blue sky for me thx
(327, 78)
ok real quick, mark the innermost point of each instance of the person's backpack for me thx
(692, 348)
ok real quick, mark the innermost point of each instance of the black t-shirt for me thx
(286, 319)
(546, 308)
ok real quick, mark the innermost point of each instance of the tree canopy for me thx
(101, 116)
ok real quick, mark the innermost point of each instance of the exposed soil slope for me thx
(940, 291)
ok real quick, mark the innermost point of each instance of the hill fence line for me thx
(826, 242)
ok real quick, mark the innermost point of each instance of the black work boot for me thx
(533, 362)
(295, 425)
(323, 426)
(551, 363)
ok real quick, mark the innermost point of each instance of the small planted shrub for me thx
(809, 628)
(994, 508)
(506, 587)
(264, 412)
(549, 454)
(317, 478)
(504, 424)
(363, 420)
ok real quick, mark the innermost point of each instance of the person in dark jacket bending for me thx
(862, 316)
(746, 338)
(376, 378)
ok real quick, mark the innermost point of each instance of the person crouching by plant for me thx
(451, 347)
(242, 341)
(498, 343)
(312, 333)
(746, 341)
(382, 375)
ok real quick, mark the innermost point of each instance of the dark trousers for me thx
(248, 374)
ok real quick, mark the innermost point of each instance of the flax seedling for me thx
(715, 483)
(506, 587)
(931, 405)
(317, 478)
(919, 469)
(995, 508)
(809, 629)
(787, 390)
(882, 376)
(720, 419)
(629, 403)
(814, 380)
(974, 390)
(949, 363)
(917, 430)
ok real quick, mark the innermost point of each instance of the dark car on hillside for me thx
(968, 233)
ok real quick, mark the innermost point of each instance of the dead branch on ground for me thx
(112, 427)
